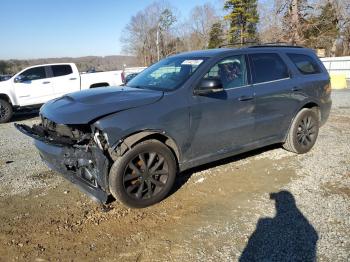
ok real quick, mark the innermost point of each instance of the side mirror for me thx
(19, 79)
(208, 86)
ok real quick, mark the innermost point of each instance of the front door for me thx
(223, 121)
(33, 86)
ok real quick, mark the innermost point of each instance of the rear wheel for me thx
(144, 175)
(6, 111)
(303, 132)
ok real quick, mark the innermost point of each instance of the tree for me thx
(202, 19)
(269, 26)
(322, 30)
(153, 23)
(164, 38)
(216, 35)
(295, 13)
(243, 19)
(3, 67)
(343, 15)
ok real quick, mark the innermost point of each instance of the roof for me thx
(205, 53)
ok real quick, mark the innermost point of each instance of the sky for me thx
(58, 28)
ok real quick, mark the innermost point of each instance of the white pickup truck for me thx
(38, 84)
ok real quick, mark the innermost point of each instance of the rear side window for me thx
(61, 70)
(305, 64)
(268, 67)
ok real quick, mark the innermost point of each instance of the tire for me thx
(144, 175)
(6, 111)
(303, 132)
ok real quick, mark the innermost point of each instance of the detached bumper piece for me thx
(84, 165)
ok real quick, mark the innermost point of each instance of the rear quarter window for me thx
(61, 70)
(305, 64)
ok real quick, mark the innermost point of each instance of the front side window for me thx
(61, 70)
(305, 64)
(166, 75)
(232, 72)
(268, 67)
(35, 73)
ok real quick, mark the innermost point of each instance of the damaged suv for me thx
(184, 111)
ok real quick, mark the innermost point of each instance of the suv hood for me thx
(84, 106)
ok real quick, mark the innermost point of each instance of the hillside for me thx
(105, 63)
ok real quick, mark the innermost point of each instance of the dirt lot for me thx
(220, 212)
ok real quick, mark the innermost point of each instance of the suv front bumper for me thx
(85, 166)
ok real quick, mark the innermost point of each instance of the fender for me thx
(7, 91)
(7, 96)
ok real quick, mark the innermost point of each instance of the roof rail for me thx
(239, 44)
(261, 45)
(276, 44)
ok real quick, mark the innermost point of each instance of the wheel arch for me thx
(310, 105)
(306, 105)
(6, 98)
(131, 140)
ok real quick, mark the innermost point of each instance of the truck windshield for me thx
(168, 74)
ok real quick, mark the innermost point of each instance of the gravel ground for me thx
(20, 164)
(267, 205)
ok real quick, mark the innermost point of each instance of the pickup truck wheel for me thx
(303, 132)
(144, 175)
(6, 111)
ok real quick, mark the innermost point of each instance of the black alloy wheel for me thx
(303, 132)
(144, 175)
(306, 132)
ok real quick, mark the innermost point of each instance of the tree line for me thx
(158, 30)
(84, 64)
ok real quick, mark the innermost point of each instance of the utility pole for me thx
(157, 41)
(295, 13)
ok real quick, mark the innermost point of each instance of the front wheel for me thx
(303, 132)
(6, 111)
(144, 175)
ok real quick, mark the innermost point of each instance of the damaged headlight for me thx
(101, 140)
(70, 134)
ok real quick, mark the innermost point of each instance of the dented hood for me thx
(84, 106)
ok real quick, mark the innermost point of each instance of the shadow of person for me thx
(287, 237)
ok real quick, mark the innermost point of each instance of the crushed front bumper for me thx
(85, 166)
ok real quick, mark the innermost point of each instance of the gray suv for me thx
(184, 111)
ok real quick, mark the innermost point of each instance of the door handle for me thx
(245, 98)
(73, 78)
(295, 89)
(46, 82)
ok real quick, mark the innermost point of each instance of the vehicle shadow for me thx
(286, 237)
(24, 115)
(183, 177)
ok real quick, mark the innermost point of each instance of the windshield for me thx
(166, 75)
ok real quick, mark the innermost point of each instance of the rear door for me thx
(223, 121)
(34, 87)
(274, 106)
(64, 79)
